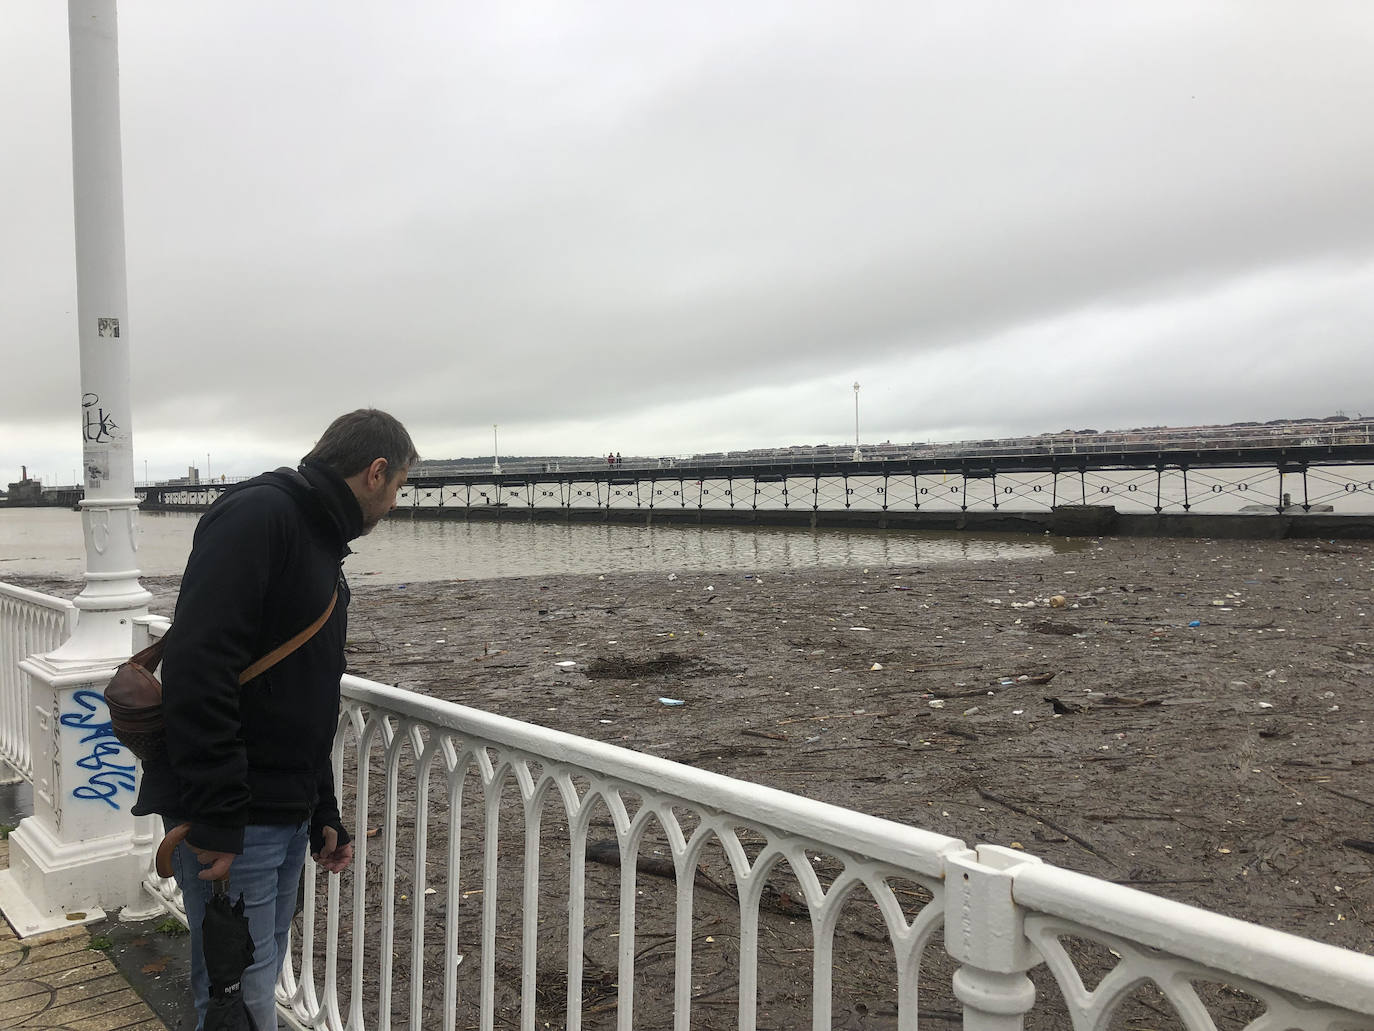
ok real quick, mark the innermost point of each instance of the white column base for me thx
(147, 908)
(28, 920)
(51, 884)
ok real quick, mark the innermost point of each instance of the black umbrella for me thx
(228, 948)
(226, 942)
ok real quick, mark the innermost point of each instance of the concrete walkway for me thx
(58, 980)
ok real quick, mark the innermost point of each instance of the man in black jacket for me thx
(248, 766)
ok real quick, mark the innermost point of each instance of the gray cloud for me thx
(665, 228)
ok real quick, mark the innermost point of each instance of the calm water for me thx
(48, 542)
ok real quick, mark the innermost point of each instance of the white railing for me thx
(30, 623)
(483, 900)
(1292, 982)
(527, 877)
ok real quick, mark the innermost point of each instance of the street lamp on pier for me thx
(857, 453)
(495, 454)
(71, 860)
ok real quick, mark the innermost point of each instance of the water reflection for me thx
(48, 542)
(402, 550)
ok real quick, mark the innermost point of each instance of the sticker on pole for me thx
(107, 326)
(97, 462)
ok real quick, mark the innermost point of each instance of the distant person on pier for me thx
(248, 779)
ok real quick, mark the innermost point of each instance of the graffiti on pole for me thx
(106, 777)
(99, 425)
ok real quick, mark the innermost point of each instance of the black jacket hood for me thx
(321, 492)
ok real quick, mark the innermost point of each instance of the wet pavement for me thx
(107, 976)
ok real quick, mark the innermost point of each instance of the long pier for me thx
(1315, 489)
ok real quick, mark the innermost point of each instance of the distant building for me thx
(191, 479)
(26, 491)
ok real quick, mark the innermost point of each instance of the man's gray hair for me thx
(354, 441)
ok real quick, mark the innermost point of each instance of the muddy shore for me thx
(1188, 717)
(1226, 764)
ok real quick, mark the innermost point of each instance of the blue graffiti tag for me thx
(106, 779)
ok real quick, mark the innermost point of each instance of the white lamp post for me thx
(81, 850)
(495, 460)
(857, 453)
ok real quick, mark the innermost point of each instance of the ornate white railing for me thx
(30, 623)
(525, 877)
(482, 901)
(1289, 982)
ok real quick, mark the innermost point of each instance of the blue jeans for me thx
(267, 873)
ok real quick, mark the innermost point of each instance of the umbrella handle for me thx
(163, 862)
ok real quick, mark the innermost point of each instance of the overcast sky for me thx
(660, 228)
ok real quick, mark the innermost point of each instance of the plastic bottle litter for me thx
(1195, 622)
(671, 701)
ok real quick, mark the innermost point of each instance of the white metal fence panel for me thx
(1189, 957)
(517, 876)
(30, 623)
(474, 902)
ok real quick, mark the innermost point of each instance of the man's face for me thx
(377, 501)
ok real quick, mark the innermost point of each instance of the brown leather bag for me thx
(134, 695)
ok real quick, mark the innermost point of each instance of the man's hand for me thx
(333, 857)
(216, 863)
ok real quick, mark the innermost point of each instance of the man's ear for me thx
(376, 473)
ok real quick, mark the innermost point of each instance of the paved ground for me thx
(59, 980)
(109, 977)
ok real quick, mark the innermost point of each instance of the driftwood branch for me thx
(1026, 811)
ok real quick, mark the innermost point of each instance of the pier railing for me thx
(506, 873)
(30, 623)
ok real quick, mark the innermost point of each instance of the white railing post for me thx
(985, 931)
